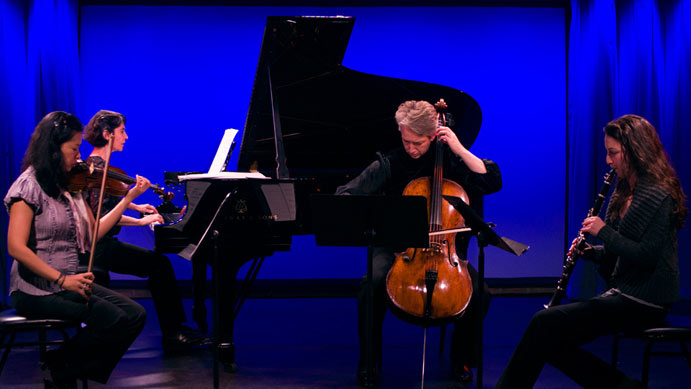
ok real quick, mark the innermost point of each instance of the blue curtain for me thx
(629, 56)
(39, 73)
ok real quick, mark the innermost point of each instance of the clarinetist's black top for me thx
(642, 247)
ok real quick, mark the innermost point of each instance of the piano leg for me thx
(231, 300)
(199, 312)
(224, 303)
(227, 300)
(226, 355)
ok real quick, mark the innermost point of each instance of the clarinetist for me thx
(638, 259)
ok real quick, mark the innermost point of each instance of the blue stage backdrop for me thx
(182, 75)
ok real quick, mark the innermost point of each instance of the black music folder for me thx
(360, 221)
(474, 221)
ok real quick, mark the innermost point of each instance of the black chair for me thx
(12, 324)
(670, 332)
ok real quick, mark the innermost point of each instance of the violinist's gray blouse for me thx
(53, 235)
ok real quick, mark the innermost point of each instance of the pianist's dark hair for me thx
(102, 120)
(44, 154)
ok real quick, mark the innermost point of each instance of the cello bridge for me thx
(435, 247)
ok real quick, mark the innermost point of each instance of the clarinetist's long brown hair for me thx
(644, 154)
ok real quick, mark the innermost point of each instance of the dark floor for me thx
(312, 343)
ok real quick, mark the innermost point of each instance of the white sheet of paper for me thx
(221, 176)
(222, 151)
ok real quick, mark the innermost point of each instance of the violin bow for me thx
(97, 223)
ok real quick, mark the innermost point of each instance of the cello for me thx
(432, 285)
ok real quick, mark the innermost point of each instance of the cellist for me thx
(389, 174)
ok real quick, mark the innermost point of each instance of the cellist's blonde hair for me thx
(419, 116)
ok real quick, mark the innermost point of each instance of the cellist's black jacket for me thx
(393, 171)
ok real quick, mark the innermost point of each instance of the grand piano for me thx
(312, 125)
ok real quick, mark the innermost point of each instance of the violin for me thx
(432, 285)
(84, 176)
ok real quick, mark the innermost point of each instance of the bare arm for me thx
(474, 163)
(109, 220)
(150, 216)
(143, 208)
(144, 221)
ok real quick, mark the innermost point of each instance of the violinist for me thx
(49, 231)
(124, 258)
(417, 123)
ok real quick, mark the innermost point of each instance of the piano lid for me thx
(331, 117)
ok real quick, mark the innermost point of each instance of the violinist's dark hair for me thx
(44, 154)
(645, 155)
(102, 120)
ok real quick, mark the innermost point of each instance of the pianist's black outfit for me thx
(123, 258)
(389, 175)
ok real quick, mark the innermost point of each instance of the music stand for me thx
(485, 236)
(369, 221)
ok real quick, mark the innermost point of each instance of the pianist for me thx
(417, 123)
(123, 258)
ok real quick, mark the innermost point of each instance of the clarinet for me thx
(579, 244)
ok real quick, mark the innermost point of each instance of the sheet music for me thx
(218, 163)
(195, 191)
(222, 176)
(222, 152)
(281, 200)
